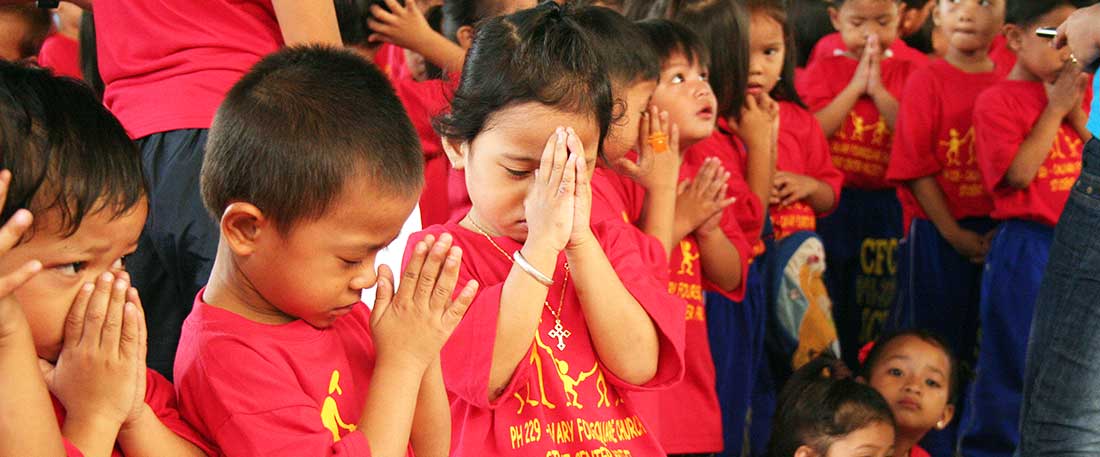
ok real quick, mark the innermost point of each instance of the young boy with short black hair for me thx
(1030, 130)
(312, 167)
(72, 166)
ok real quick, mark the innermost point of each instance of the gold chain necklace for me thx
(558, 332)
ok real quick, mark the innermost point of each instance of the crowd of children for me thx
(747, 228)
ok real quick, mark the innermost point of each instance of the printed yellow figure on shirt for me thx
(687, 263)
(955, 144)
(570, 384)
(330, 414)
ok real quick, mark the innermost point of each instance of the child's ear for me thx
(1015, 37)
(805, 451)
(242, 225)
(834, 17)
(465, 35)
(945, 419)
(457, 151)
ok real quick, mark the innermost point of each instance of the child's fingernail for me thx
(88, 287)
(107, 277)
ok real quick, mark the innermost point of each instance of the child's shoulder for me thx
(1006, 91)
(793, 114)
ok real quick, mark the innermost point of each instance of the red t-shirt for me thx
(1003, 57)
(689, 414)
(1003, 117)
(275, 390)
(558, 401)
(167, 65)
(861, 146)
(747, 211)
(161, 398)
(391, 59)
(62, 55)
(802, 149)
(423, 101)
(917, 451)
(935, 137)
(832, 44)
(458, 197)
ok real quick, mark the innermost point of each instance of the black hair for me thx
(434, 15)
(89, 57)
(351, 18)
(640, 10)
(300, 124)
(64, 149)
(921, 40)
(540, 55)
(460, 13)
(953, 381)
(809, 20)
(38, 27)
(1027, 12)
(618, 46)
(668, 38)
(724, 25)
(915, 4)
(784, 90)
(821, 404)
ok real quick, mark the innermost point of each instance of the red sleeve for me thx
(252, 407)
(626, 249)
(819, 161)
(161, 398)
(916, 132)
(467, 357)
(70, 449)
(997, 136)
(814, 87)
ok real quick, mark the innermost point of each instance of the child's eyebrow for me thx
(520, 158)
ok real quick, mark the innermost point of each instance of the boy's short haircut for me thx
(619, 47)
(38, 27)
(668, 38)
(296, 127)
(64, 149)
(1027, 12)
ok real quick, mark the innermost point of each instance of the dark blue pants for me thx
(1010, 285)
(939, 290)
(1061, 401)
(177, 247)
(861, 241)
(736, 332)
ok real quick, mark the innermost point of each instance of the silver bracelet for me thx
(531, 270)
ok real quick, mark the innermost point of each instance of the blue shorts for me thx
(736, 332)
(1010, 285)
(939, 290)
(861, 241)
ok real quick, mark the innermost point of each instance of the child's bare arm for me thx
(885, 102)
(406, 26)
(832, 116)
(27, 423)
(409, 328)
(720, 259)
(1064, 95)
(791, 188)
(624, 336)
(971, 245)
(307, 22)
(758, 127)
(431, 429)
(659, 180)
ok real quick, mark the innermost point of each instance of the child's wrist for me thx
(138, 423)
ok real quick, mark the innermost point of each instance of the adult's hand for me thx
(1081, 32)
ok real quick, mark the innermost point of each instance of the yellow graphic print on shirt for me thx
(330, 414)
(954, 146)
(569, 383)
(688, 259)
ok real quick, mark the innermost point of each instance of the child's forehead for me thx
(913, 346)
(103, 229)
(869, 7)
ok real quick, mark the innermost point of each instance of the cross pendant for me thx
(560, 333)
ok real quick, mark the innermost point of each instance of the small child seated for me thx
(79, 173)
(312, 167)
(918, 375)
(824, 412)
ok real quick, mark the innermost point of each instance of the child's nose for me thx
(365, 279)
